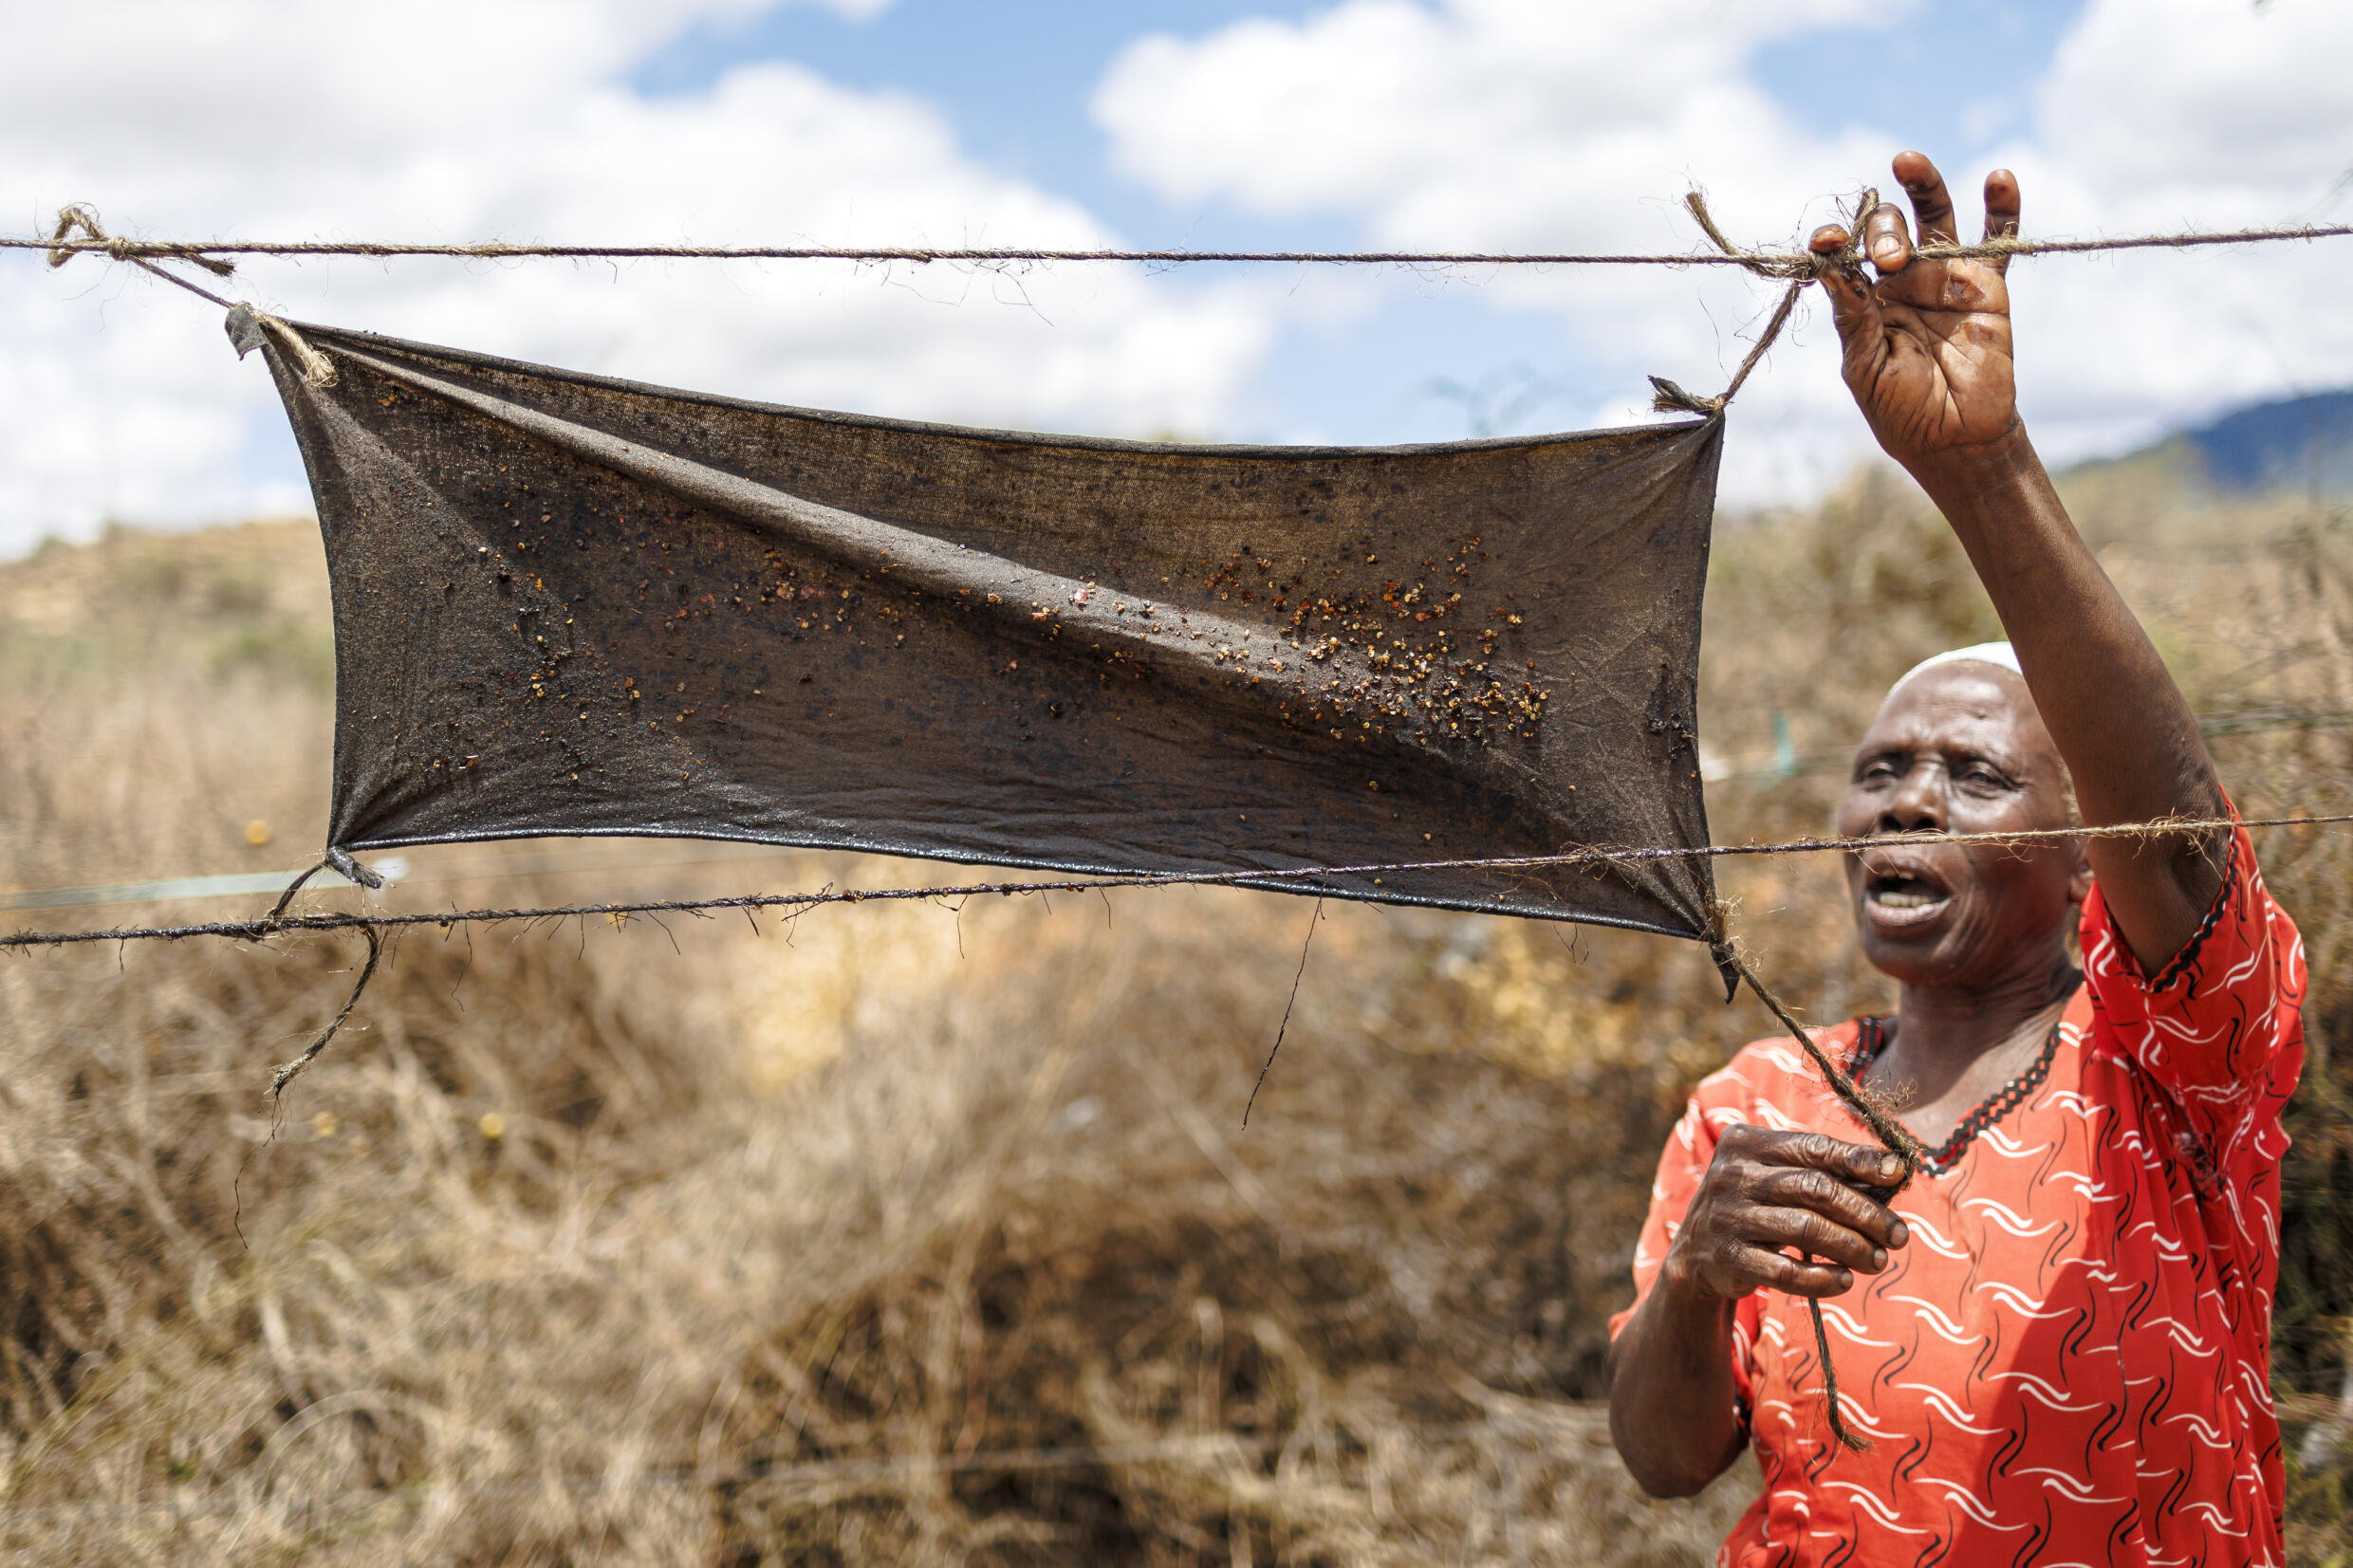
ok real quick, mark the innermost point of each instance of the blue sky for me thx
(1442, 360)
(1016, 80)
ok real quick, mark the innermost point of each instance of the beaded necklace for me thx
(1937, 1161)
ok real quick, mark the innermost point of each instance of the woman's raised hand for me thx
(1927, 346)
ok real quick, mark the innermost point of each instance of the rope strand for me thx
(316, 368)
(1799, 268)
(288, 1072)
(1768, 262)
(247, 931)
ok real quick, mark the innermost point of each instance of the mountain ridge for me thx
(2302, 444)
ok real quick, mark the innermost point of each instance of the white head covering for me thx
(2000, 653)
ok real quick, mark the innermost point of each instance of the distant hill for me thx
(2295, 445)
(2301, 444)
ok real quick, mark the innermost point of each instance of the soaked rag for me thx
(567, 604)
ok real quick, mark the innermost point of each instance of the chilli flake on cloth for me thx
(566, 604)
(2069, 1363)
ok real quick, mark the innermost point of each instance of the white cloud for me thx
(443, 120)
(2203, 111)
(1536, 125)
(1481, 122)
(1526, 124)
(2162, 115)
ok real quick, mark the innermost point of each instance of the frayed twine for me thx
(1800, 269)
(289, 1071)
(286, 1072)
(1602, 854)
(1998, 246)
(85, 219)
(246, 327)
(341, 861)
(317, 370)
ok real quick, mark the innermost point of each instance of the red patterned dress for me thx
(2070, 1361)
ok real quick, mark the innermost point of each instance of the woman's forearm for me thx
(2124, 728)
(1927, 352)
(2129, 737)
(1670, 1391)
(1673, 1393)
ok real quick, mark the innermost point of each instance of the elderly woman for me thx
(2056, 1337)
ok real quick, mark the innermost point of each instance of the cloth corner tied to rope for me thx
(247, 325)
(1799, 270)
(248, 329)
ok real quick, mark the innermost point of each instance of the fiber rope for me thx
(374, 925)
(1785, 263)
(248, 931)
(1797, 268)
(1890, 1132)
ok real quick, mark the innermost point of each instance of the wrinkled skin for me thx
(1927, 350)
(1974, 936)
(1961, 748)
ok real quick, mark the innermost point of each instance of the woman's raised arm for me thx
(1927, 356)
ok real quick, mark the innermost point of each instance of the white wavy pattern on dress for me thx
(2069, 1362)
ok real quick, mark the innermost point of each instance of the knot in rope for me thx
(84, 217)
(247, 324)
(1804, 265)
(1798, 269)
(78, 216)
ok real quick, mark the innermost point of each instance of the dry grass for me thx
(905, 1234)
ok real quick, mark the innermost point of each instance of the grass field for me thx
(910, 1234)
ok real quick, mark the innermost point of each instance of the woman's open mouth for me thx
(1902, 897)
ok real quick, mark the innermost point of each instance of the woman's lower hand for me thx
(1768, 1194)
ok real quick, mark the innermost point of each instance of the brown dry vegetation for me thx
(906, 1234)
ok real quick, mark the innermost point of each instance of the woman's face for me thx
(1960, 748)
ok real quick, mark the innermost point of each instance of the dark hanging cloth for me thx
(566, 604)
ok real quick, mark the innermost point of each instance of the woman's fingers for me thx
(1835, 1201)
(1860, 1162)
(1885, 239)
(2001, 207)
(1783, 1273)
(1853, 307)
(1930, 204)
(1781, 1209)
(1809, 1233)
